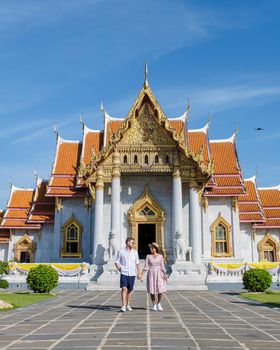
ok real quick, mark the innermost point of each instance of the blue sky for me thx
(60, 58)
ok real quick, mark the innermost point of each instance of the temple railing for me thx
(234, 272)
(63, 269)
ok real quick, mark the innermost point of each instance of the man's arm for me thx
(138, 266)
(117, 263)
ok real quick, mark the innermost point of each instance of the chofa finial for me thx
(82, 120)
(35, 174)
(55, 131)
(146, 84)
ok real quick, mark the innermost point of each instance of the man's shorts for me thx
(127, 282)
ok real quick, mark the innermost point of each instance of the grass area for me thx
(18, 299)
(269, 298)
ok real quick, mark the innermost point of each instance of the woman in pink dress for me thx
(156, 278)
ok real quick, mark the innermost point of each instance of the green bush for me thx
(4, 284)
(257, 280)
(42, 279)
(4, 268)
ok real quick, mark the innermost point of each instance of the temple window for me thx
(72, 238)
(167, 159)
(125, 159)
(135, 159)
(156, 159)
(146, 159)
(268, 249)
(221, 238)
(146, 212)
(24, 249)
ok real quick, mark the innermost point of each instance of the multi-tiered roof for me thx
(30, 208)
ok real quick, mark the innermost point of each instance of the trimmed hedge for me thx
(42, 279)
(257, 280)
(4, 268)
(4, 284)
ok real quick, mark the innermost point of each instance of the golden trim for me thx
(221, 221)
(273, 246)
(158, 219)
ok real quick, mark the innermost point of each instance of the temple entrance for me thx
(146, 220)
(146, 235)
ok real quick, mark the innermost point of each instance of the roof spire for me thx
(188, 108)
(81, 120)
(35, 174)
(101, 106)
(55, 131)
(209, 117)
(235, 134)
(10, 182)
(146, 84)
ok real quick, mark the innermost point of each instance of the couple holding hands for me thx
(127, 263)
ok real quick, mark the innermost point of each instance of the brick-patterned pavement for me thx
(203, 320)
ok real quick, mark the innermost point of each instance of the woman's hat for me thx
(153, 245)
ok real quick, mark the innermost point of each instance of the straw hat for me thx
(154, 245)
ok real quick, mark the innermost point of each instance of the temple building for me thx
(150, 177)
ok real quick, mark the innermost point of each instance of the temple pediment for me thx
(146, 141)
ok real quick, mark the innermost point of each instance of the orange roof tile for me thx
(66, 192)
(67, 157)
(62, 181)
(43, 208)
(228, 181)
(229, 191)
(247, 217)
(250, 209)
(20, 198)
(224, 157)
(198, 140)
(92, 139)
(18, 208)
(179, 125)
(270, 199)
(112, 127)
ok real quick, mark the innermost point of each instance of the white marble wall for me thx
(77, 207)
(216, 206)
(4, 247)
(246, 246)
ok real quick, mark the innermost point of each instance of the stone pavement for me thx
(191, 320)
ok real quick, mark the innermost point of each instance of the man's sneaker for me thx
(129, 308)
(154, 308)
(159, 307)
(123, 309)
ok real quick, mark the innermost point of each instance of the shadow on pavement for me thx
(103, 307)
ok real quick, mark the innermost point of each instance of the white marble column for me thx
(177, 216)
(98, 241)
(115, 207)
(195, 225)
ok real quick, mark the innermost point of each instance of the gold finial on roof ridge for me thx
(146, 84)
(81, 120)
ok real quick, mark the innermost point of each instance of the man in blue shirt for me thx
(127, 262)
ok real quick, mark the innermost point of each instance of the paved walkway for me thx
(191, 320)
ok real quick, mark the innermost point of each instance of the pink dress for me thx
(156, 283)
